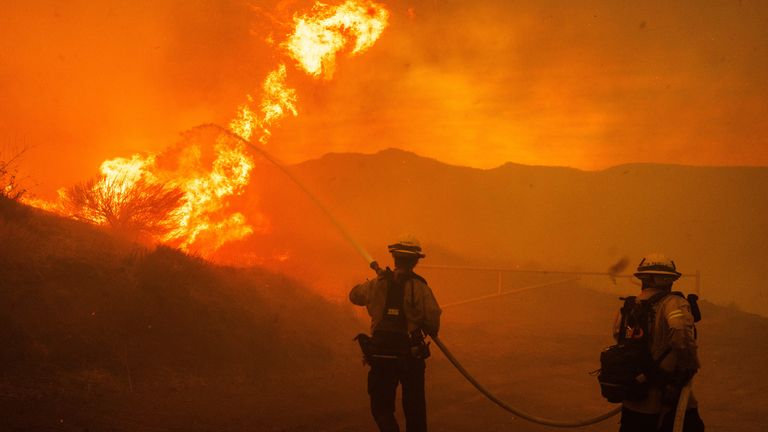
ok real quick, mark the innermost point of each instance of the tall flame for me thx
(314, 43)
(205, 195)
(203, 221)
(278, 100)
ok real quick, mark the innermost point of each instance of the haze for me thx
(544, 83)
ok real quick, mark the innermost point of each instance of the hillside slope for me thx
(87, 318)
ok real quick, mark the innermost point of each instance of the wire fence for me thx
(571, 276)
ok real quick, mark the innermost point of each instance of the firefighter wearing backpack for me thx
(657, 325)
(402, 310)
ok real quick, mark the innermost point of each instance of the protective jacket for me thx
(419, 304)
(673, 332)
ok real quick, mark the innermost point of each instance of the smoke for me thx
(556, 84)
(553, 83)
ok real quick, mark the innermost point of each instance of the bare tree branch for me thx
(10, 184)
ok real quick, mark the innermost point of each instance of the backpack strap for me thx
(394, 316)
(390, 337)
(629, 304)
(661, 358)
(411, 275)
(658, 297)
(651, 313)
(394, 319)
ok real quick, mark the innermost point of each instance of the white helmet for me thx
(656, 264)
(406, 245)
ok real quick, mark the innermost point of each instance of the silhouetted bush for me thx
(126, 206)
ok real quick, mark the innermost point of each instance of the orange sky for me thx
(584, 84)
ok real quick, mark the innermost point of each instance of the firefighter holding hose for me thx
(403, 310)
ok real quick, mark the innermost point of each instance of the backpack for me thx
(391, 339)
(627, 369)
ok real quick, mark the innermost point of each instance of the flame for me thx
(243, 123)
(203, 220)
(320, 35)
(124, 173)
(314, 43)
(278, 100)
(205, 195)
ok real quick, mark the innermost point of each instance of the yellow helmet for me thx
(656, 264)
(406, 245)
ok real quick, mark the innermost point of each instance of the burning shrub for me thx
(127, 205)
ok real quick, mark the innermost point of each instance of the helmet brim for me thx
(646, 273)
(405, 252)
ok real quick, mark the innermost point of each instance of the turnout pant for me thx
(383, 379)
(632, 421)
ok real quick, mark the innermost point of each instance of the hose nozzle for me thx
(375, 266)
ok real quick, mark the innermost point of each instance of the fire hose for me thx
(455, 362)
(682, 405)
(522, 414)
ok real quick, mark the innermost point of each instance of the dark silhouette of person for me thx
(403, 310)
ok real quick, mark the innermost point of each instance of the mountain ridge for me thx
(709, 219)
(409, 155)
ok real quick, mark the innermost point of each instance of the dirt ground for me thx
(525, 348)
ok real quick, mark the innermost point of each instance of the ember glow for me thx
(319, 36)
(204, 219)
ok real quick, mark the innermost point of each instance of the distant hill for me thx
(709, 219)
